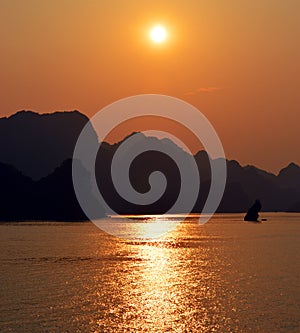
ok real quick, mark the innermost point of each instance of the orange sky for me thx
(237, 61)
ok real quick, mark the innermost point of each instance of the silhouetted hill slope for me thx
(289, 177)
(140, 170)
(55, 196)
(37, 143)
(244, 184)
(40, 146)
(15, 193)
(257, 183)
(52, 198)
(295, 207)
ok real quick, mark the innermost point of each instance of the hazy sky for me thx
(237, 61)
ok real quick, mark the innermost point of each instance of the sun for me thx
(158, 34)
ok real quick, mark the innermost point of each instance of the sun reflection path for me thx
(155, 227)
(170, 284)
(175, 287)
(146, 227)
(160, 302)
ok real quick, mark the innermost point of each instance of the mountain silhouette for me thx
(289, 177)
(51, 198)
(244, 184)
(36, 173)
(257, 183)
(15, 192)
(36, 143)
(295, 207)
(139, 173)
(55, 198)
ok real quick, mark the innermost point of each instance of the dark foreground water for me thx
(225, 276)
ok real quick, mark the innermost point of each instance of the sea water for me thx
(225, 276)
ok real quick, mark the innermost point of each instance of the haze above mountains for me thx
(36, 173)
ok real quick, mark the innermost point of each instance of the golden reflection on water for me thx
(155, 228)
(139, 226)
(157, 274)
(168, 286)
(220, 277)
(159, 299)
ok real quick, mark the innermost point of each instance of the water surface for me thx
(224, 276)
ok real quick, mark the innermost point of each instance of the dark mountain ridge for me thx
(36, 143)
(36, 173)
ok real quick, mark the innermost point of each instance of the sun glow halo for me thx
(158, 34)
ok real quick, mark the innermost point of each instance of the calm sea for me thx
(225, 276)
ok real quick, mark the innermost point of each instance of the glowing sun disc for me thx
(158, 34)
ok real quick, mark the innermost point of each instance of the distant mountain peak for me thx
(293, 165)
(235, 163)
(30, 113)
(291, 168)
(37, 143)
(41, 146)
(201, 153)
(142, 138)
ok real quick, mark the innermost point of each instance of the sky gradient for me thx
(236, 61)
